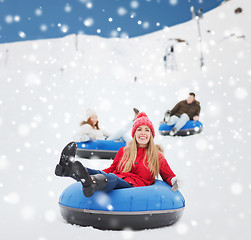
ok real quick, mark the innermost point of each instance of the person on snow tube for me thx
(90, 129)
(135, 165)
(182, 112)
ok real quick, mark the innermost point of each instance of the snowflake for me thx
(134, 4)
(22, 34)
(38, 12)
(64, 28)
(124, 35)
(31, 78)
(173, 2)
(12, 198)
(23, 130)
(8, 19)
(88, 22)
(17, 18)
(4, 163)
(89, 5)
(146, 25)
(67, 8)
(122, 11)
(127, 233)
(241, 93)
(43, 27)
(236, 188)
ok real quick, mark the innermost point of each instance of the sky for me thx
(41, 19)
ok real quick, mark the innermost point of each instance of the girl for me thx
(90, 129)
(135, 165)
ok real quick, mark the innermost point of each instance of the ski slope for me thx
(46, 86)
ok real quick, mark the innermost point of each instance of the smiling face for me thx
(94, 119)
(190, 99)
(142, 135)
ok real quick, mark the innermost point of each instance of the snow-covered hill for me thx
(46, 85)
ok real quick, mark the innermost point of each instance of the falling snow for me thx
(88, 22)
(8, 19)
(173, 2)
(46, 86)
(122, 11)
(241, 93)
(38, 12)
(236, 189)
(67, 8)
(22, 34)
(134, 4)
(23, 130)
(12, 198)
(64, 28)
(43, 27)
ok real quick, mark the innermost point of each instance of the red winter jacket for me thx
(140, 174)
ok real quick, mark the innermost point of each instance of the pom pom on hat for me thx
(90, 113)
(141, 120)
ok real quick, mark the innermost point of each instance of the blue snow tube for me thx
(104, 149)
(190, 128)
(135, 208)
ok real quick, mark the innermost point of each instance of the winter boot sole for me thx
(67, 154)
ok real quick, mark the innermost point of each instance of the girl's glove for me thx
(175, 182)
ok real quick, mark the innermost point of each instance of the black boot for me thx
(67, 156)
(99, 183)
(77, 171)
(136, 112)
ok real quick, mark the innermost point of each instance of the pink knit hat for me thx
(140, 120)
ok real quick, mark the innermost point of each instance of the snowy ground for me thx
(46, 86)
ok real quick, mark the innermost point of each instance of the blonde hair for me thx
(152, 156)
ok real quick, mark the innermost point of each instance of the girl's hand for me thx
(175, 183)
